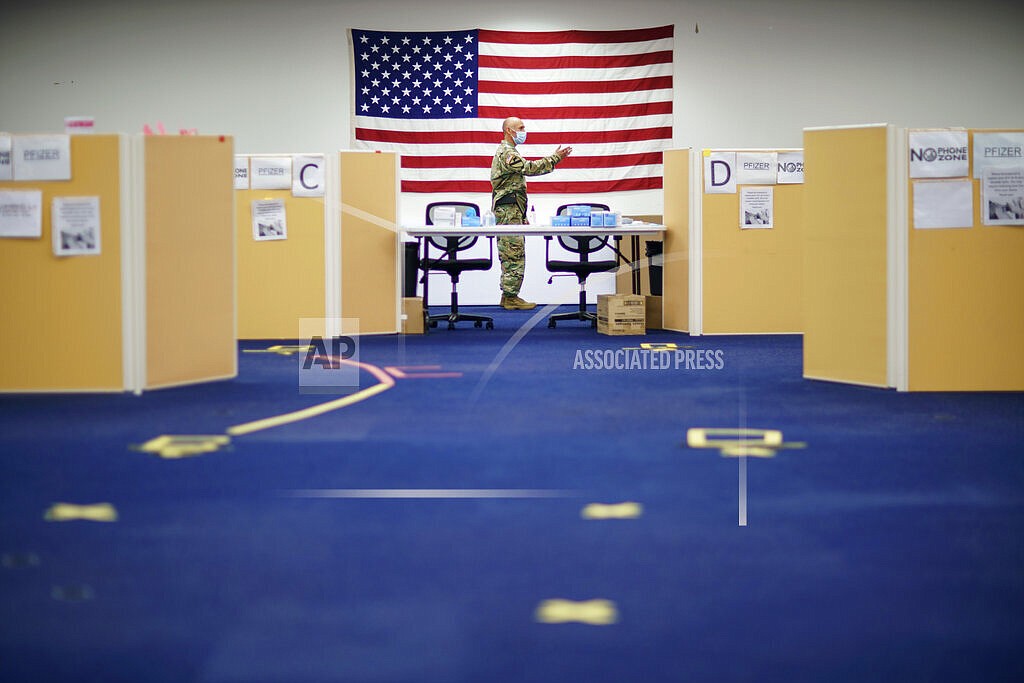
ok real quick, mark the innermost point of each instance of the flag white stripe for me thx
(547, 75)
(486, 150)
(574, 49)
(563, 175)
(533, 125)
(574, 99)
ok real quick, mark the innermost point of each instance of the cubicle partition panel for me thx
(909, 283)
(752, 272)
(150, 302)
(280, 280)
(369, 250)
(965, 307)
(846, 237)
(61, 317)
(190, 260)
(676, 248)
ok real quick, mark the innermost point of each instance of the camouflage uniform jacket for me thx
(508, 169)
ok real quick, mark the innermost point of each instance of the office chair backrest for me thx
(581, 245)
(451, 243)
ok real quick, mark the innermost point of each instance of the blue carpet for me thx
(888, 548)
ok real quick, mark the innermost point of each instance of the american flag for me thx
(439, 98)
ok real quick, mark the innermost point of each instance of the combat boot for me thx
(514, 303)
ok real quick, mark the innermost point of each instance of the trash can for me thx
(655, 259)
(411, 268)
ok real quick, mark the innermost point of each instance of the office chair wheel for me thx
(551, 323)
(433, 323)
(490, 325)
(451, 325)
(478, 324)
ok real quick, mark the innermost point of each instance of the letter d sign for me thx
(718, 175)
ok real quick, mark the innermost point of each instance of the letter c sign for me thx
(308, 176)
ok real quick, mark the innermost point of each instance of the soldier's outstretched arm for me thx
(547, 164)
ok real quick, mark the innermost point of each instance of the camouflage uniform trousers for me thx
(511, 250)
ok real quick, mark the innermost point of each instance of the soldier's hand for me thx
(563, 152)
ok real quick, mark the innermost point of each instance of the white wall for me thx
(275, 75)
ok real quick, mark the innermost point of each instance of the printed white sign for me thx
(790, 168)
(42, 157)
(241, 172)
(270, 173)
(76, 225)
(719, 176)
(21, 213)
(268, 220)
(308, 176)
(1002, 192)
(938, 154)
(6, 171)
(756, 168)
(757, 205)
(943, 204)
(997, 149)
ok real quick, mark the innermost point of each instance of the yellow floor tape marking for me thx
(756, 443)
(698, 437)
(657, 347)
(416, 372)
(592, 612)
(628, 510)
(386, 382)
(752, 451)
(279, 349)
(66, 512)
(173, 446)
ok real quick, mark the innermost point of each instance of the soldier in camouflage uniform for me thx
(508, 198)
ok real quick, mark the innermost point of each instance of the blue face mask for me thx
(520, 137)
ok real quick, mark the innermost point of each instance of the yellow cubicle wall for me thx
(280, 281)
(676, 268)
(965, 305)
(61, 317)
(845, 230)
(189, 260)
(156, 306)
(752, 279)
(369, 255)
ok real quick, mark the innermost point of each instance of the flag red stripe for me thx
(614, 111)
(564, 87)
(554, 37)
(462, 137)
(569, 187)
(611, 161)
(575, 61)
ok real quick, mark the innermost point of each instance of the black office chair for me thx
(449, 262)
(585, 247)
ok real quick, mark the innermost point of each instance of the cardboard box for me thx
(652, 310)
(621, 314)
(412, 315)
